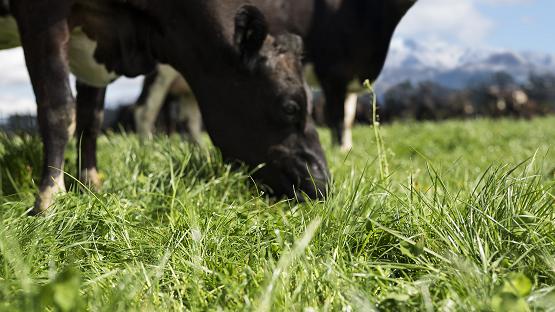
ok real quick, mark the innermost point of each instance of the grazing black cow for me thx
(248, 83)
(345, 40)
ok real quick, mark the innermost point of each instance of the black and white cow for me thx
(248, 83)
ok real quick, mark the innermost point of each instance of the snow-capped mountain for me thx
(456, 67)
(447, 64)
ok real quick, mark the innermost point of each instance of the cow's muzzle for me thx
(300, 172)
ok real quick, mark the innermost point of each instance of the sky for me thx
(521, 25)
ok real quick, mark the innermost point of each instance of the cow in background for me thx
(349, 40)
(512, 101)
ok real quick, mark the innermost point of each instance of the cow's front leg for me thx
(90, 113)
(44, 43)
(56, 109)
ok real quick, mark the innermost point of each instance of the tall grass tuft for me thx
(380, 145)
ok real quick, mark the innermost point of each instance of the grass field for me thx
(459, 218)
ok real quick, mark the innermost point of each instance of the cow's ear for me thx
(251, 30)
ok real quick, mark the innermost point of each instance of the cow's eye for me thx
(291, 108)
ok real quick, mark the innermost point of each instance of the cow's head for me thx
(260, 115)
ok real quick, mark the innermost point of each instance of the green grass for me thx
(464, 222)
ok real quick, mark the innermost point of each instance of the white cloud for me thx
(507, 1)
(11, 64)
(453, 20)
(437, 54)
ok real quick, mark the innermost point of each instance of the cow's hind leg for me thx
(191, 113)
(349, 120)
(90, 113)
(334, 91)
(44, 42)
(152, 99)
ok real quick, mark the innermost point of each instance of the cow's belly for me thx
(82, 62)
(9, 36)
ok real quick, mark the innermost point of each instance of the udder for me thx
(82, 63)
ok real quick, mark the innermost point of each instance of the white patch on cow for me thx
(145, 115)
(501, 104)
(9, 34)
(520, 97)
(82, 63)
(80, 49)
(349, 120)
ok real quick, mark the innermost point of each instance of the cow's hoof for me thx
(91, 179)
(144, 123)
(346, 148)
(35, 212)
(42, 203)
(46, 196)
(347, 141)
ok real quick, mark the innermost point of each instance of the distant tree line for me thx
(25, 123)
(499, 96)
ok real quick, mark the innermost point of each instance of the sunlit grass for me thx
(464, 222)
